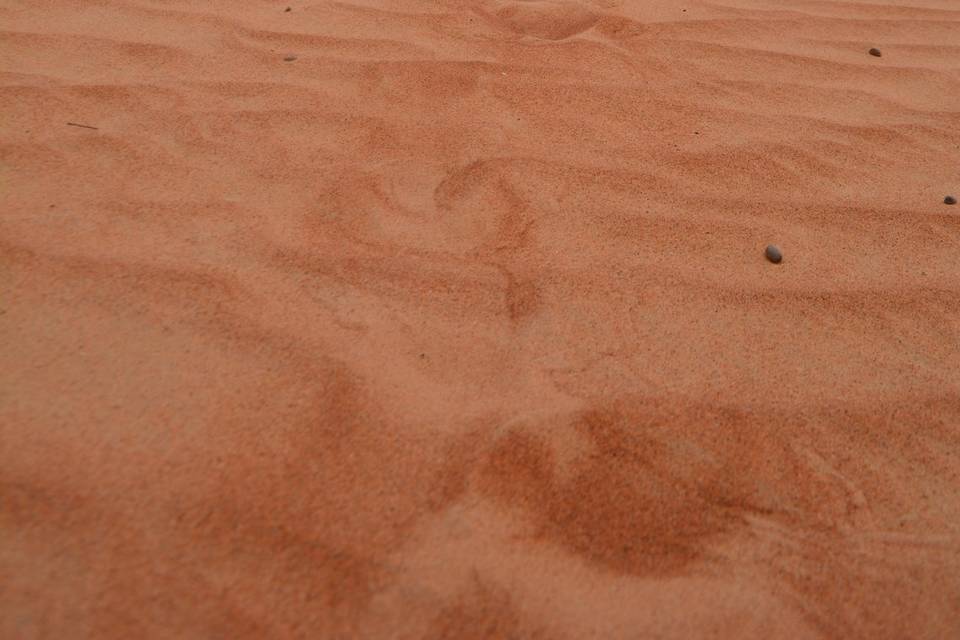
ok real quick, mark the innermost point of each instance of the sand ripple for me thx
(459, 324)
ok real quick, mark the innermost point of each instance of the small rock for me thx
(287, 9)
(949, 200)
(875, 52)
(773, 254)
(290, 58)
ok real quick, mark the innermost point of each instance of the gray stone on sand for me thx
(773, 254)
(949, 200)
(875, 52)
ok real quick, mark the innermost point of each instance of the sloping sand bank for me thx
(451, 319)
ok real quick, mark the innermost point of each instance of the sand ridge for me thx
(459, 325)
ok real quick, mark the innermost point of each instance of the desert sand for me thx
(451, 319)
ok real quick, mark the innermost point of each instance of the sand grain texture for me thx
(459, 324)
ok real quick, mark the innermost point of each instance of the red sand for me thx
(459, 325)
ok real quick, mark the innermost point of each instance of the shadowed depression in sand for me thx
(452, 319)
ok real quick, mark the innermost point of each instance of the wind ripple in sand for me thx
(460, 323)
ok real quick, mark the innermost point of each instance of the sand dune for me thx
(458, 324)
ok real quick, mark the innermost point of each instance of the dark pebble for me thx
(773, 254)
(875, 52)
(287, 9)
(949, 200)
(290, 58)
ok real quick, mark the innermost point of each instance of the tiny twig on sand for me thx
(85, 126)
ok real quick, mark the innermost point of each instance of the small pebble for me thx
(287, 9)
(290, 58)
(949, 200)
(773, 254)
(875, 52)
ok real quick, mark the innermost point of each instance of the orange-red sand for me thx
(459, 324)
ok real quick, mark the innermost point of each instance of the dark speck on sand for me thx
(773, 254)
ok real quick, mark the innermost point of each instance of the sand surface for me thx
(458, 325)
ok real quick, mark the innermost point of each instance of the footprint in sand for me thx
(546, 19)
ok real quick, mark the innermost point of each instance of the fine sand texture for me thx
(451, 319)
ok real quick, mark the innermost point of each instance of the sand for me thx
(459, 324)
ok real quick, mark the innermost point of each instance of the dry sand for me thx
(459, 324)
